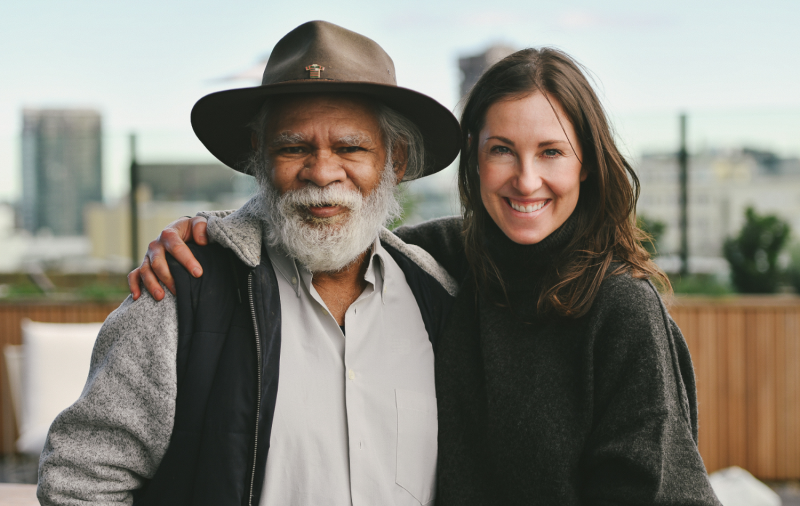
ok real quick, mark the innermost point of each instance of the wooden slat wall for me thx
(11, 316)
(746, 354)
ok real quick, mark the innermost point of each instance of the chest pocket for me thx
(417, 433)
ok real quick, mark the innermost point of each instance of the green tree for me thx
(794, 266)
(655, 229)
(408, 201)
(753, 254)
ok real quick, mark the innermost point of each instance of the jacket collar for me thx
(241, 231)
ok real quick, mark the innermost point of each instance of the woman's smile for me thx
(529, 209)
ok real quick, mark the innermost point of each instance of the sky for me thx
(731, 65)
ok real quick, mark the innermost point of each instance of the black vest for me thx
(229, 337)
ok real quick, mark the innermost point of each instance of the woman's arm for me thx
(442, 239)
(643, 444)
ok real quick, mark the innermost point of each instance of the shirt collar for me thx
(291, 269)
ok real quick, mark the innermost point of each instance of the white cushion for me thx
(13, 356)
(55, 366)
(736, 487)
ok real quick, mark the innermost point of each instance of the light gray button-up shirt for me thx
(355, 417)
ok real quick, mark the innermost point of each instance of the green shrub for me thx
(793, 272)
(655, 229)
(753, 254)
(700, 284)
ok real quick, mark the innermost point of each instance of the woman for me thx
(561, 378)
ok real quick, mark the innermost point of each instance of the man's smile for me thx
(325, 211)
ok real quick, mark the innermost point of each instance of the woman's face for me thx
(530, 176)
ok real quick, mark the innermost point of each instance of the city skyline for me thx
(145, 65)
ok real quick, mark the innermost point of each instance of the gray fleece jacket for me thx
(112, 439)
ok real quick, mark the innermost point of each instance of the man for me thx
(298, 369)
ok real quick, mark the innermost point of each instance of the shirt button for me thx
(294, 280)
(351, 374)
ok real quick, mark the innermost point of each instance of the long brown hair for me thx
(605, 232)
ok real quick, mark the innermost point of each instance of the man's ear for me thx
(254, 141)
(400, 160)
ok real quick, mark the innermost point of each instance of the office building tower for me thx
(473, 66)
(61, 168)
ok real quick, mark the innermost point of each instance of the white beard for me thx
(328, 244)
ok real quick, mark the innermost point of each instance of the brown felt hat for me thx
(320, 57)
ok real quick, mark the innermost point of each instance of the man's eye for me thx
(292, 150)
(351, 149)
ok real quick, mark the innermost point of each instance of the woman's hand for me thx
(172, 239)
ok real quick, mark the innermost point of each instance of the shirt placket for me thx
(362, 486)
(356, 385)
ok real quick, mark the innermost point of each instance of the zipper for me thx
(258, 390)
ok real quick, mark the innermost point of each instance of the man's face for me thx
(328, 186)
(323, 140)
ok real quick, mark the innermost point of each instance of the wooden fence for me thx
(746, 354)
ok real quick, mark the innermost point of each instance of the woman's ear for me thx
(584, 173)
(400, 159)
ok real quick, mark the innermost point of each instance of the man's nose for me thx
(528, 178)
(323, 168)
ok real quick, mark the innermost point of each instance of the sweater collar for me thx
(522, 266)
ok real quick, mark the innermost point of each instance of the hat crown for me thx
(336, 54)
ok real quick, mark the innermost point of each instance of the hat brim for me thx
(221, 120)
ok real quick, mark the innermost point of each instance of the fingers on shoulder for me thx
(167, 239)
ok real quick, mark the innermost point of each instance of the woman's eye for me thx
(551, 153)
(501, 150)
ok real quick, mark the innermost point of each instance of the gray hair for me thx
(396, 129)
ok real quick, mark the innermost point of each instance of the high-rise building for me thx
(473, 66)
(61, 168)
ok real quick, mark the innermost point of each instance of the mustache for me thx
(315, 196)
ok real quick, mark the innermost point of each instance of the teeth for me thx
(527, 209)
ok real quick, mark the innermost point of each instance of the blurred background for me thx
(703, 97)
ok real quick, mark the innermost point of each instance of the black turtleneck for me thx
(560, 411)
(524, 267)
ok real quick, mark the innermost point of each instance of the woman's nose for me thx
(528, 179)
